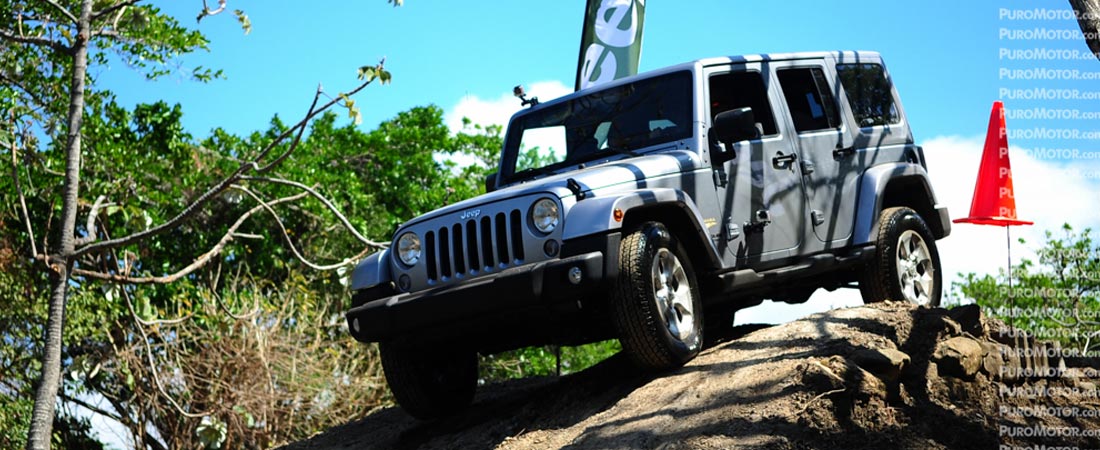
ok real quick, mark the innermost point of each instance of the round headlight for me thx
(545, 215)
(408, 248)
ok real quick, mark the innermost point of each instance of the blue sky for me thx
(942, 55)
(945, 58)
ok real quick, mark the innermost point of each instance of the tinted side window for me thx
(809, 99)
(869, 93)
(738, 90)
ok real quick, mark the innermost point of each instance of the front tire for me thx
(427, 383)
(656, 306)
(907, 264)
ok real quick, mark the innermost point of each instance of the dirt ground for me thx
(884, 376)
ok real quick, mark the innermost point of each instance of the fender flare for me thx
(596, 215)
(872, 188)
(371, 271)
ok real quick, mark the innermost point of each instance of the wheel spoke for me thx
(904, 248)
(673, 296)
(920, 255)
(926, 282)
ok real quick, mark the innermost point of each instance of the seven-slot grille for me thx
(474, 246)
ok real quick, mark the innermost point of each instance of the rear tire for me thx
(430, 383)
(656, 306)
(906, 266)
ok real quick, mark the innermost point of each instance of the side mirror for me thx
(491, 182)
(732, 126)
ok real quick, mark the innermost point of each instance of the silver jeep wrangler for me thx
(651, 208)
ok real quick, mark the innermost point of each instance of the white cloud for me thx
(1047, 192)
(497, 111)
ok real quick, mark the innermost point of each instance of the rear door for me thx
(827, 157)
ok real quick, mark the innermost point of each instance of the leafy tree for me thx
(122, 338)
(49, 47)
(1056, 297)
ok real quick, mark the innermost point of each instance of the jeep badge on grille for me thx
(470, 214)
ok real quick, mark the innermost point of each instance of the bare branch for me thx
(42, 165)
(115, 7)
(328, 204)
(196, 264)
(105, 32)
(65, 12)
(297, 137)
(22, 198)
(246, 316)
(290, 243)
(90, 227)
(220, 187)
(90, 407)
(9, 36)
(153, 366)
(314, 112)
(206, 11)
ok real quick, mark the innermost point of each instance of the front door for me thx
(760, 190)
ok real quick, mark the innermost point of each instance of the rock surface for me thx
(959, 357)
(857, 378)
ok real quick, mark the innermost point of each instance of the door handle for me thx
(782, 161)
(843, 152)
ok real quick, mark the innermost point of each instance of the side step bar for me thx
(749, 279)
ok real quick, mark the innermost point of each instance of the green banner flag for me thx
(611, 42)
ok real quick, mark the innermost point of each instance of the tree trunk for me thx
(60, 259)
(1088, 17)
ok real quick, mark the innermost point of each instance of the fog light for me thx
(551, 247)
(404, 282)
(575, 275)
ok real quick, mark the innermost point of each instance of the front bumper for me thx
(460, 310)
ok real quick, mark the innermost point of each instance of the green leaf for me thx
(367, 73)
(242, 18)
(211, 432)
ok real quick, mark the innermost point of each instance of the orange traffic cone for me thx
(994, 202)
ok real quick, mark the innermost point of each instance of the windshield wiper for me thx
(622, 150)
(534, 172)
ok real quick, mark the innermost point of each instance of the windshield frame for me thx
(627, 100)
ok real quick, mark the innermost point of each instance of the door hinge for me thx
(721, 179)
(732, 231)
(807, 167)
(818, 217)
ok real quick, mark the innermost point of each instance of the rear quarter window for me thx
(869, 94)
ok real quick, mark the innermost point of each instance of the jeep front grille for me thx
(474, 246)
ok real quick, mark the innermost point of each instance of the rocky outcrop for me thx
(889, 375)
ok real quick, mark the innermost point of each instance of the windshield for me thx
(616, 120)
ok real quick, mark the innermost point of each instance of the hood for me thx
(624, 171)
